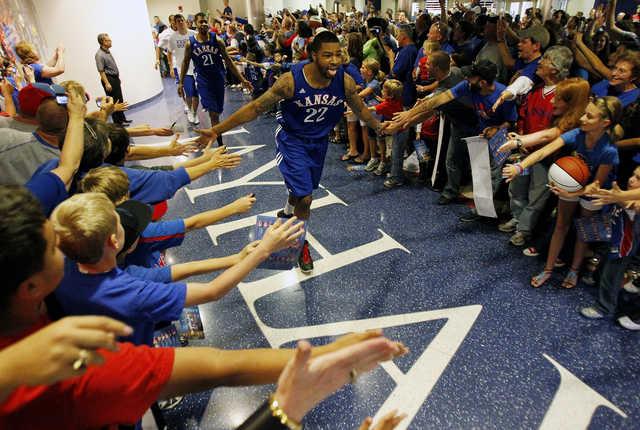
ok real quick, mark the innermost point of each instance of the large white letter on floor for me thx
(574, 403)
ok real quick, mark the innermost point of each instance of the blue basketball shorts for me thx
(300, 161)
(189, 86)
(211, 91)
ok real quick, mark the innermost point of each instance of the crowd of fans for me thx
(564, 85)
(83, 230)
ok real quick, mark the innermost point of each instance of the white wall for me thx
(574, 6)
(76, 24)
(164, 8)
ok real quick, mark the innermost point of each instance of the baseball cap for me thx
(135, 216)
(485, 69)
(537, 33)
(30, 97)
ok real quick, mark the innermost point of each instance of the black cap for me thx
(134, 218)
(485, 69)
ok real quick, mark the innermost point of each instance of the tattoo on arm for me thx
(281, 89)
(356, 104)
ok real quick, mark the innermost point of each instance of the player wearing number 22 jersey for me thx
(305, 121)
(312, 99)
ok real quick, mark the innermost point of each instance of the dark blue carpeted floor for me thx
(456, 294)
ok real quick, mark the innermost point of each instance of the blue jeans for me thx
(397, 155)
(610, 285)
(457, 161)
(528, 196)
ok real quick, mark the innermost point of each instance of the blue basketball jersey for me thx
(312, 113)
(207, 57)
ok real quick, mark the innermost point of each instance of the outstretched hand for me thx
(207, 132)
(220, 159)
(388, 422)
(76, 105)
(509, 172)
(177, 148)
(403, 118)
(281, 235)
(243, 204)
(48, 355)
(605, 197)
(563, 193)
(306, 381)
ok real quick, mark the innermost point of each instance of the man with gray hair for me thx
(528, 194)
(110, 75)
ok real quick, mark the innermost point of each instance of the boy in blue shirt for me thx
(91, 236)
(157, 236)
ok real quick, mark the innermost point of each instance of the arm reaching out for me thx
(356, 104)
(73, 147)
(277, 237)
(282, 89)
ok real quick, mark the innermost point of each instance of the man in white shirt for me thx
(176, 47)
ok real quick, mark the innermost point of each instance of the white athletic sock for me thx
(288, 208)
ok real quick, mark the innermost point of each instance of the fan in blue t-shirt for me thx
(593, 143)
(621, 81)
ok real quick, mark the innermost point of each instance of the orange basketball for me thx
(576, 168)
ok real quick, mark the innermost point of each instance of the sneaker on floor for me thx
(628, 323)
(518, 239)
(304, 260)
(372, 165)
(509, 226)
(169, 403)
(592, 313)
(471, 216)
(381, 169)
(444, 200)
(392, 183)
(196, 120)
(531, 252)
(190, 117)
(281, 214)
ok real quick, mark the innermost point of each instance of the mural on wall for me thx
(18, 22)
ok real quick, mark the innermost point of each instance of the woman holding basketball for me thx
(593, 142)
(562, 103)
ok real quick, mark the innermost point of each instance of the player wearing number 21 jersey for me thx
(313, 96)
(209, 57)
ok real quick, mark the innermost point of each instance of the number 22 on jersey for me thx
(315, 114)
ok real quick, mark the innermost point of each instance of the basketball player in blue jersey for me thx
(209, 56)
(313, 96)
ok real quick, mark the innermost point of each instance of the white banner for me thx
(481, 174)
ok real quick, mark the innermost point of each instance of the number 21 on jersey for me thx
(207, 60)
